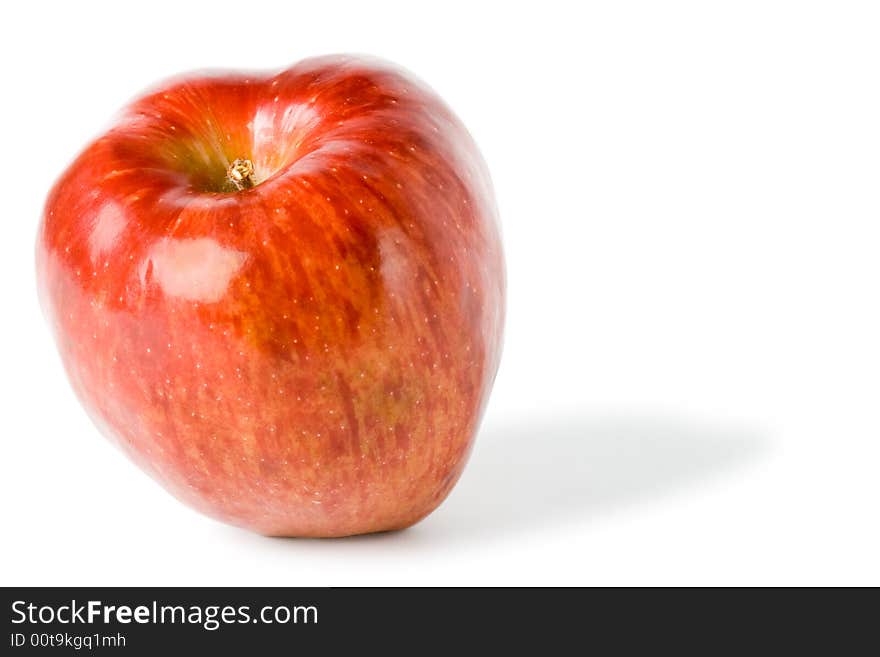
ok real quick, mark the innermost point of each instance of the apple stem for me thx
(241, 174)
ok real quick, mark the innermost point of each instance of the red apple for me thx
(282, 295)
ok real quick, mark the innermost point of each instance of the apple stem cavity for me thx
(240, 174)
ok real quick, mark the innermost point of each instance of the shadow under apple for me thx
(568, 468)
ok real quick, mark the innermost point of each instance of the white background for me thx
(689, 393)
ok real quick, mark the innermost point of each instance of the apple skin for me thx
(307, 357)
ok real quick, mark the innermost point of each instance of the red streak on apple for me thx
(306, 355)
